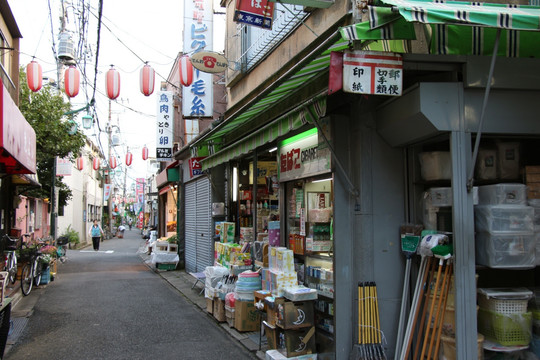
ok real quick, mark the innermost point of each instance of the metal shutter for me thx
(205, 243)
(191, 226)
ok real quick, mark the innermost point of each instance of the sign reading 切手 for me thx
(372, 72)
(164, 140)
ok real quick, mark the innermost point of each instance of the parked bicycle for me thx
(62, 245)
(32, 271)
(9, 246)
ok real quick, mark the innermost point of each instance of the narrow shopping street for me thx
(110, 305)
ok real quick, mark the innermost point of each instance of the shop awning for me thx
(17, 138)
(446, 20)
(29, 180)
(292, 120)
(283, 90)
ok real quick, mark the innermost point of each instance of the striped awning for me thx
(292, 120)
(446, 19)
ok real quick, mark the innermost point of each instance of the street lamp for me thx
(87, 121)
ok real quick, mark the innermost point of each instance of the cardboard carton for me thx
(210, 305)
(219, 310)
(300, 342)
(246, 317)
(294, 315)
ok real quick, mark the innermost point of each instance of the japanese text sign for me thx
(254, 12)
(164, 139)
(372, 72)
(195, 166)
(197, 99)
(303, 156)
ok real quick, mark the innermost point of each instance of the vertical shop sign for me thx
(106, 192)
(197, 99)
(164, 140)
(255, 13)
(372, 72)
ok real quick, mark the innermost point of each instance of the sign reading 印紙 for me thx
(164, 139)
(372, 72)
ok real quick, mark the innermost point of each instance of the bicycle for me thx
(62, 245)
(32, 271)
(10, 257)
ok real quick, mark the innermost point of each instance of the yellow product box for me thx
(285, 260)
(273, 256)
(228, 230)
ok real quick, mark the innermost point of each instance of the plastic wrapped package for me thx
(486, 164)
(320, 215)
(500, 218)
(164, 258)
(502, 194)
(213, 275)
(508, 159)
(300, 293)
(506, 250)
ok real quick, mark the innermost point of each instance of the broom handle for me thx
(434, 330)
(431, 308)
(447, 289)
(424, 309)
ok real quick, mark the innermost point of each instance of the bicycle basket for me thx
(9, 243)
(62, 240)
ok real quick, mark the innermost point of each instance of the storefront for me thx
(167, 185)
(18, 157)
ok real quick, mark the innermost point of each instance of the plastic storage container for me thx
(504, 300)
(435, 165)
(506, 250)
(510, 218)
(505, 329)
(441, 196)
(499, 194)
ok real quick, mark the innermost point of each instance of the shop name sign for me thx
(303, 156)
(209, 62)
(372, 72)
(258, 13)
(195, 166)
(164, 135)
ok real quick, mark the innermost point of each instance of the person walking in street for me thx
(130, 223)
(96, 233)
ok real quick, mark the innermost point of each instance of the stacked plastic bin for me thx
(504, 227)
(503, 317)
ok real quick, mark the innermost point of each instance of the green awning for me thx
(292, 120)
(446, 20)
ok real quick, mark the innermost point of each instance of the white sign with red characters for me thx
(209, 62)
(302, 156)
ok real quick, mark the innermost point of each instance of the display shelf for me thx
(324, 330)
(325, 294)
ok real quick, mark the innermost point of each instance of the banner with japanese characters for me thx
(372, 72)
(258, 13)
(164, 139)
(197, 99)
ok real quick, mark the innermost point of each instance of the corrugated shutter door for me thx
(191, 226)
(205, 243)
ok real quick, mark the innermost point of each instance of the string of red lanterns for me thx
(112, 162)
(129, 158)
(186, 71)
(112, 83)
(145, 153)
(95, 163)
(147, 79)
(80, 163)
(71, 81)
(34, 76)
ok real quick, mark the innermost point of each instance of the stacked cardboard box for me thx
(532, 179)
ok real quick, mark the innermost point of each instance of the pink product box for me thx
(273, 237)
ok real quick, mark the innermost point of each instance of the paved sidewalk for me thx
(183, 282)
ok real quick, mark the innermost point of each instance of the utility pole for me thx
(109, 200)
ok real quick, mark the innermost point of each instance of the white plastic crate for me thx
(504, 300)
(499, 194)
(510, 218)
(506, 250)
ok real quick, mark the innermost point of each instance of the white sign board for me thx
(372, 72)
(197, 99)
(302, 156)
(165, 117)
(63, 166)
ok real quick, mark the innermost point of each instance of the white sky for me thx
(151, 31)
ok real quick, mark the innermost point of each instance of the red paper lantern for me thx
(80, 163)
(147, 79)
(34, 76)
(186, 71)
(112, 83)
(144, 153)
(129, 158)
(72, 78)
(95, 163)
(112, 162)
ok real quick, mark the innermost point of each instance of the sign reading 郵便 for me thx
(302, 156)
(164, 140)
(372, 72)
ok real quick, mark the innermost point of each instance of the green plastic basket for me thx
(505, 329)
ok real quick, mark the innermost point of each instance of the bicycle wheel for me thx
(26, 279)
(38, 270)
(12, 268)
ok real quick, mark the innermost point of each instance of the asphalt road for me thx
(110, 305)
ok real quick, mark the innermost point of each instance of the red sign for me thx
(254, 12)
(17, 137)
(195, 166)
